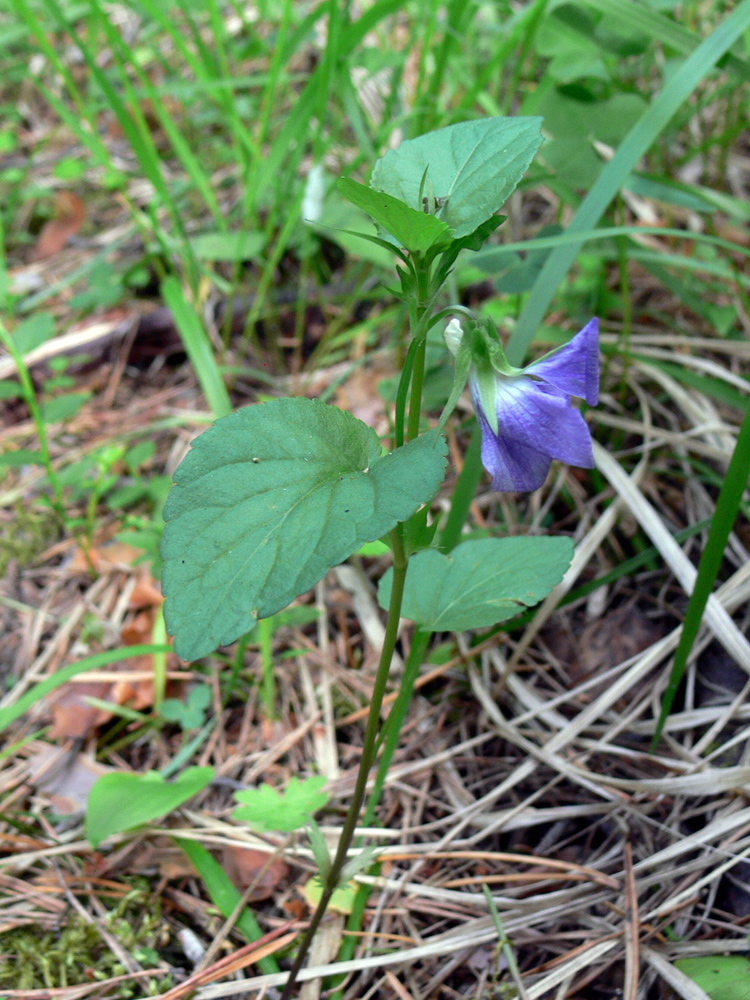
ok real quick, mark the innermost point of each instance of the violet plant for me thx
(274, 495)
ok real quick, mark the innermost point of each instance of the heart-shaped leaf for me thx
(120, 802)
(415, 230)
(479, 583)
(723, 977)
(267, 500)
(473, 167)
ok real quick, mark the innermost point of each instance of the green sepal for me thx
(463, 367)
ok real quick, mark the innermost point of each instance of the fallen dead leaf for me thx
(70, 212)
(245, 867)
(65, 779)
(359, 394)
(105, 558)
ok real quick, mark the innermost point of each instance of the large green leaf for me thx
(416, 231)
(481, 582)
(471, 168)
(121, 801)
(267, 500)
(723, 977)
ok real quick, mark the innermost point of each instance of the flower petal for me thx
(535, 424)
(574, 368)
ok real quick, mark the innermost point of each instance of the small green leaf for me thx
(190, 715)
(19, 457)
(480, 582)
(266, 809)
(34, 332)
(122, 801)
(270, 498)
(473, 167)
(415, 230)
(723, 977)
(342, 900)
(10, 390)
(61, 408)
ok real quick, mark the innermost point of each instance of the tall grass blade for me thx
(640, 138)
(225, 896)
(198, 347)
(727, 506)
(636, 15)
(9, 713)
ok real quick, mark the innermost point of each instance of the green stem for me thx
(265, 630)
(30, 398)
(369, 750)
(417, 384)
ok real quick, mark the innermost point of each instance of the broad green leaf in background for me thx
(723, 977)
(122, 801)
(414, 230)
(480, 582)
(240, 246)
(267, 500)
(639, 139)
(573, 125)
(471, 167)
(266, 809)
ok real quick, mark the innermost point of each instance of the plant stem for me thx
(369, 750)
(29, 394)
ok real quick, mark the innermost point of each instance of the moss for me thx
(77, 954)
(31, 531)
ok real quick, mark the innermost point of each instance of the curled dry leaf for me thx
(65, 779)
(245, 867)
(70, 212)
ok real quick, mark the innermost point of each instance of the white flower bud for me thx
(453, 335)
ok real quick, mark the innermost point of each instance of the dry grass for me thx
(524, 763)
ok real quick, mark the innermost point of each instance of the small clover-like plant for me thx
(265, 809)
(189, 714)
(274, 495)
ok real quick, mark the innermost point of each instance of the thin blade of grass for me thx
(12, 712)
(225, 896)
(128, 63)
(653, 24)
(724, 517)
(640, 138)
(198, 347)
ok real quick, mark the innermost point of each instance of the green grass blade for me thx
(189, 160)
(130, 119)
(653, 24)
(198, 347)
(89, 137)
(225, 896)
(640, 138)
(722, 522)
(12, 712)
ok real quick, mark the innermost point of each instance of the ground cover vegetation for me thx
(558, 804)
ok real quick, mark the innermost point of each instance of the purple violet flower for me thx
(533, 420)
